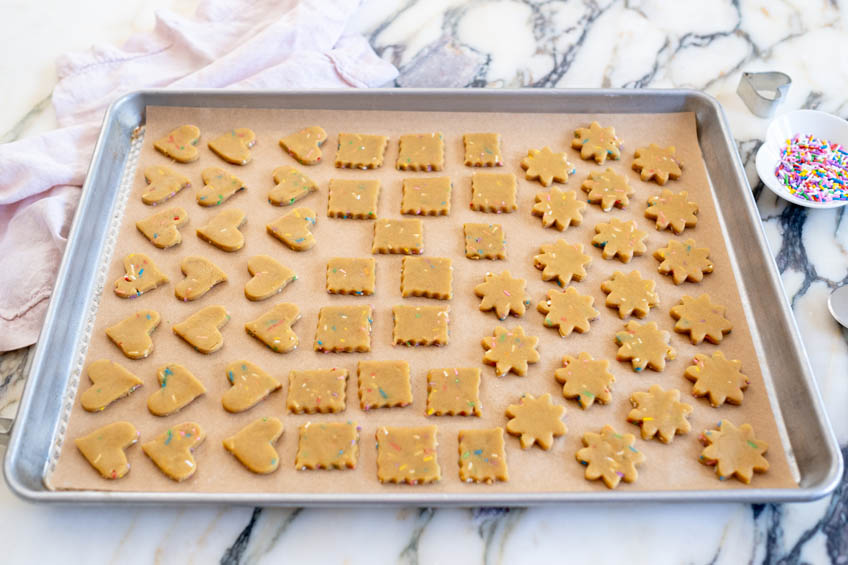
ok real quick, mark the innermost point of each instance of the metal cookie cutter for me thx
(763, 92)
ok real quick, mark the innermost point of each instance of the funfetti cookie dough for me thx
(484, 241)
(596, 142)
(673, 211)
(290, 186)
(430, 277)
(305, 144)
(253, 445)
(586, 379)
(140, 275)
(162, 228)
(735, 452)
(619, 239)
(535, 421)
(201, 330)
(177, 389)
(630, 294)
(384, 384)
(559, 208)
(407, 455)
(173, 450)
(493, 192)
(607, 189)
(269, 277)
(109, 382)
(295, 229)
(568, 311)
(317, 391)
(132, 334)
(162, 184)
(250, 386)
(105, 447)
(483, 150)
(510, 350)
(421, 152)
(222, 230)
(503, 294)
(701, 319)
(482, 458)
(644, 345)
(353, 199)
(218, 187)
(426, 196)
(562, 262)
(360, 151)
(330, 445)
(180, 144)
(610, 456)
(453, 392)
(717, 377)
(355, 276)
(420, 325)
(684, 261)
(201, 275)
(234, 146)
(660, 413)
(657, 163)
(546, 166)
(274, 328)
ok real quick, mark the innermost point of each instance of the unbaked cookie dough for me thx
(250, 386)
(657, 163)
(482, 458)
(568, 311)
(305, 144)
(407, 455)
(546, 166)
(344, 329)
(735, 452)
(384, 384)
(177, 389)
(672, 211)
(510, 351)
(273, 328)
(290, 186)
(234, 146)
(162, 184)
(353, 199)
(330, 445)
(253, 445)
(535, 421)
(109, 382)
(222, 230)
(684, 261)
(360, 151)
(619, 239)
(607, 189)
(596, 142)
(421, 152)
(201, 275)
(162, 228)
(660, 413)
(562, 262)
(355, 276)
(426, 196)
(402, 236)
(701, 319)
(484, 241)
(201, 329)
(295, 229)
(585, 379)
(132, 334)
(503, 294)
(180, 144)
(140, 276)
(172, 450)
(430, 277)
(559, 208)
(610, 456)
(630, 294)
(453, 392)
(717, 377)
(420, 325)
(317, 391)
(482, 149)
(104, 448)
(644, 345)
(493, 192)
(218, 186)
(268, 277)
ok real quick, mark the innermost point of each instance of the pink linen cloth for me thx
(240, 44)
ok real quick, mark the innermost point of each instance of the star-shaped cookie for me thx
(630, 293)
(684, 261)
(559, 208)
(719, 378)
(701, 319)
(503, 294)
(619, 239)
(644, 345)
(657, 163)
(660, 413)
(546, 166)
(735, 452)
(610, 456)
(510, 350)
(569, 311)
(607, 189)
(673, 211)
(535, 421)
(562, 261)
(596, 142)
(586, 379)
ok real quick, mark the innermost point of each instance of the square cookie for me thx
(420, 325)
(407, 455)
(353, 199)
(318, 390)
(384, 384)
(404, 236)
(421, 152)
(482, 458)
(351, 275)
(360, 151)
(482, 149)
(493, 192)
(344, 329)
(484, 241)
(330, 445)
(453, 392)
(430, 277)
(426, 196)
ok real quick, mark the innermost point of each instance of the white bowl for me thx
(804, 122)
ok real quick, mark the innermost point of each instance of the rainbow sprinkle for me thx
(813, 169)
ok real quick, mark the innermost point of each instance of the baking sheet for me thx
(672, 466)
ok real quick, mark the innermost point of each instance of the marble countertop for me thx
(503, 43)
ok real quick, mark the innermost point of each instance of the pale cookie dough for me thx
(140, 276)
(619, 239)
(426, 196)
(200, 276)
(132, 334)
(420, 325)
(384, 384)
(180, 144)
(344, 329)
(482, 149)
(546, 166)
(295, 229)
(430, 277)
(510, 351)
(558, 208)
(109, 382)
(222, 230)
(700, 318)
(162, 184)
(453, 392)
(291, 185)
(683, 261)
(630, 294)
(218, 187)
(484, 241)
(405, 237)
(493, 192)
(503, 294)
(644, 345)
(234, 146)
(201, 329)
(586, 379)
(482, 458)
(562, 262)
(356, 276)
(360, 151)
(104, 448)
(596, 142)
(610, 456)
(353, 199)
(407, 455)
(317, 391)
(657, 163)
(717, 377)
(173, 450)
(673, 211)
(305, 144)
(735, 452)
(162, 228)
(273, 328)
(268, 277)
(660, 413)
(250, 386)
(330, 445)
(177, 389)
(607, 189)
(568, 311)
(421, 152)
(253, 445)
(535, 421)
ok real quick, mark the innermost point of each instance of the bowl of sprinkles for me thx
(804, 159)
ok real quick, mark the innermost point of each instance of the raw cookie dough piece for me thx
(586, 379)
(660, 413)
(200, 276)
(269, 277)
(453, 392)
(630, 293)
(348, 275)
(218, 186)
(305, 145)
(535, 421)
(360, 151)
(569, 311)
(331, 445)
(200, 330)
(407, 455)
(546, 166)
(558, 208)
(673, 211)
(420, 325)
(735, 452)
(177, 389)
(430, 277)
(596, 142)
(510, 351)
(172, 450)
(132, 334)
(180, 144)
(291, 185)
(355, 199)
(482, 149)
(344, 329)
(162, 184)
(607, 189)
(610, 456)
(273, 328)
(222, 230)
(253, 445)
(234, 146)
(493, 192)
(484, 241)
(104, 448)
(141, 275)
(503, 294)
(405, 236)
(619, 239)
(562, 261)
(683, 261)
(426, 196)
(657, 163)
(717, 377)
(109, 382)
(295, 229)
(162, 228)
(644, 345)
(700, 318)
(250, 386)
(421, 152)
(319, 390)
(482, 458)
(384, 384)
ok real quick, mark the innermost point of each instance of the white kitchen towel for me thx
(259, 44)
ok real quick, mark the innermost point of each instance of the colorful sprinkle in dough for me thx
(717, 377)
(384, 384)
(234, 146)
(200, 276)
(569, 311)
(104, 448)
(305, 145)
(503, 294)
(510, 351)
(586, 379)
(610, 456)
(360, 151)
(405, 237)
(200, 330)
(453, 392)
(482, 458)
(109, 382)
(421, 152)
(735, 452)
(269, 278)
(352, 275)
(180, 144)
(558, 208)
(660, 413)
(644, 345)
(132, 334)
(172, 450)
(253, 445)
(630, 293)
(426, 196)
(317, 391)
(482, 150)
(140, 276)
(222, 230)
(420, 325)
(596, 142)
(330, 445)
(619, 239)
(562, 262)
(700, 318)
(657, 163)
(291, 185)
(273, 328)
(546, 166)
(493, 192)
(607, 189)
(430, 277)
(218, 186)
(683, 261)
(162, 184)
(535, 421)
(250, 386)
(484, 241)
(344, 329)
(407, 455)
(353, 199)
(295, 229)
(162, 228)
(177, 389)
(673, 211)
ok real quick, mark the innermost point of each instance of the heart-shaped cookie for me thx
(292, 185)
(295, 229)
(269, 277)
(132, 334)
(222, 231)
(109, 382)
(273, 328)
(104, 448)
(251, 385)
(305, 145)
(177, 389)
(162, 184)
(200, 276)
(218, 186)
(162, 228)
(253, 445)
(171, 451)
(180, 144)
(141, 275)
(234, 146)
(200, 330)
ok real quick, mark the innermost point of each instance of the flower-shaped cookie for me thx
(700, 318)
(559, 208)
(607, 189)
(510, 350)
(644, 345)
(597, 142)
(546, 166)
(610, 456)
(673, 211)
(717, 377)
(569, 311)
(734, 451)
(562, 262)
(630, 293)
(585, 379)
(660, 413)
(657, 163)
(619, 239)
(503, 294)
(683, 261)
(535, 421)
